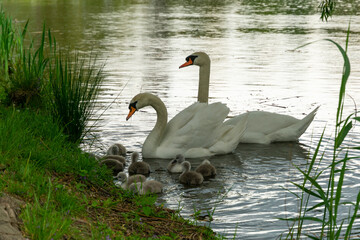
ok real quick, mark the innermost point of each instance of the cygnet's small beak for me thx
(131, 112)
(187, 63)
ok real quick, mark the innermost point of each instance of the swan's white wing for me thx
(267, 127)
(193, 128)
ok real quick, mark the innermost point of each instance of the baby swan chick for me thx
(113, 164)
(175, 165)
(127, 181)
(116, 149)
(190, 177)
(116, 157)
(206, 169)
(147, 187)
(138, 167)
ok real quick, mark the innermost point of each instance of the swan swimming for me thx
(262, 127)
(196, 131)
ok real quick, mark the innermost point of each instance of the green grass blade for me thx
(308, 191)
(316, 206)
(342, 134)
(354, 216)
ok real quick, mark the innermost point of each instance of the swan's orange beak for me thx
(132, 111)
(187, 63)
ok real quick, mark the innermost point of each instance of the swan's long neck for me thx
(204, 78)
(153, 140)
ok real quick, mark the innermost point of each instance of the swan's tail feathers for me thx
(305, 122)
(294, 131)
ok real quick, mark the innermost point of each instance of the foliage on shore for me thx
(46, 99)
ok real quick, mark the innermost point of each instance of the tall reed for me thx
(330, 197)
(74, 83)
(41, 76)
(22, 65)
(7, 43)
(27, 79)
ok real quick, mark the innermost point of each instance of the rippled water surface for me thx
(253, 68)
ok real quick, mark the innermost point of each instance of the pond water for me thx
(253, 68)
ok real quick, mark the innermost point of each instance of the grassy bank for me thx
(67, 194)
(46, 99)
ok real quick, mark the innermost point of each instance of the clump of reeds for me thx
(329, 198)
(41, 76)
(74, 83)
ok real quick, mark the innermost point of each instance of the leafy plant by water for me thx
(74, 84)
(41, 76)
(28, 73)
(329, 199)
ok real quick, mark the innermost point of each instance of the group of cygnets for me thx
(139, 171)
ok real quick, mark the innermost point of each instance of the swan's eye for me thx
(191, 58)
(133, 105)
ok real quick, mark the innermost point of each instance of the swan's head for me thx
(206, 161)
(139, 101)
(179, 158)
(122, 177)
(134, 156)
(197, 58)
(186, 166)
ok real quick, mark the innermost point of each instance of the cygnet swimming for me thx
(175, 166)
(206, 169)
(147, 187)
(189, 177)
(138, 167)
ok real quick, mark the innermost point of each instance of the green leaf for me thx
(316, 206)
(342, 134)
(348, 230)
(357, 119)
(308, 191)
(315, 219)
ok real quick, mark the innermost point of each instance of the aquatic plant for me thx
(329, 198)
(7, 45)
(28, 71)
(22, 64)
(74, 83)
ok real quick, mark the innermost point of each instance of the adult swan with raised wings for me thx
(196, 131)
(262, 127)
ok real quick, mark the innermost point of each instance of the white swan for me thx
(196, 131)
(262, 127)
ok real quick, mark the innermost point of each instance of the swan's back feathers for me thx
(190, 129)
